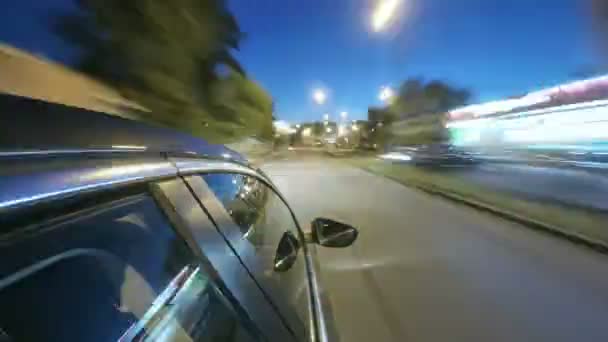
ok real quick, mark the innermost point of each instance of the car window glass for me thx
(116, 272)
(253, 206)
(263, 220)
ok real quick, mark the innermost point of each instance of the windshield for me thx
(467, 141)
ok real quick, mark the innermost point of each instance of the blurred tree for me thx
(586, 71)
(415, 97)
(244, 106)
(317, 128)
(416, 114)
(173, 57)
(599, 15)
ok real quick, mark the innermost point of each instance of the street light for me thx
(384, 13)
(386, 94)
(319, 96)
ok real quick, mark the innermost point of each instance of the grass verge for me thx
(573, 223)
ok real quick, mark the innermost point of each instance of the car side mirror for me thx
(330, 233)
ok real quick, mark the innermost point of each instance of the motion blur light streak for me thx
(129, 147)
(572, 133)
(469, 123)
(499, 106)
(562, 92)
(384, 14)
(565, 124)
(395, 156)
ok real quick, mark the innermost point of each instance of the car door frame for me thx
(192, 224)
(188, 167)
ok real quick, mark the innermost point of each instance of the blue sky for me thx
(496, 48)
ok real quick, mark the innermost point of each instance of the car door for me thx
(129, 262)
(263, 232)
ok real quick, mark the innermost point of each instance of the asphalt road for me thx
(570, 186)
(425, 269)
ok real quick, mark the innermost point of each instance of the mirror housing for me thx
(330, 233)
(287, 253)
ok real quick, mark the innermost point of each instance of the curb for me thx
(577, 238)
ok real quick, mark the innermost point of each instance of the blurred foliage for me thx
(415, 98)
(599, 16)
(317, 128)
(422, 130)
(381, 137)
(174, 58)
(416, 114)
(245, 105)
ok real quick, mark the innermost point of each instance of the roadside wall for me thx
(26, 75)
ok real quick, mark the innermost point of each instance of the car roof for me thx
(33, 125)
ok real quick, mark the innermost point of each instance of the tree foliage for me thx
(244, 105)
(599, 16)
(168, 56)
(416, 97)
(416, 115)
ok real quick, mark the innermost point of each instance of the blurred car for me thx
(137, 233)
(438, 155)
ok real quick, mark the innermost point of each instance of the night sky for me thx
(497, 48)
